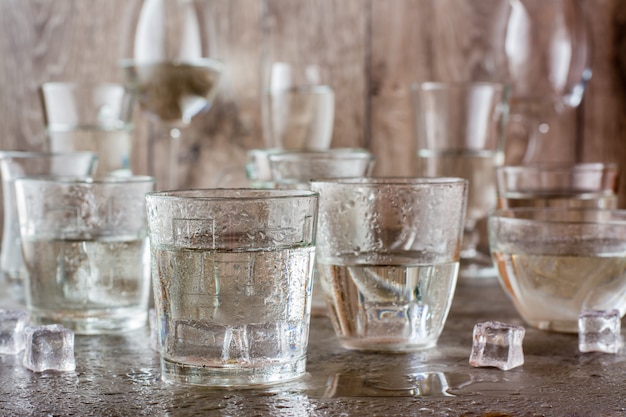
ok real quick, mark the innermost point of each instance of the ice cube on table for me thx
(498, 345)
(12, 324)
(599, 331)
(49, 347)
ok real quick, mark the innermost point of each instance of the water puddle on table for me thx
(421, 384)
(416, 384)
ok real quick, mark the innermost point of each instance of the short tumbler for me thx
(294, 169)
(232, 273)
(388, 258)
(85, 246)
(16, 164)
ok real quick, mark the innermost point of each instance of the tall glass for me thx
(94, 117)
(459, 129)
(298, 107)
(548, 52)
(167, 64)
(16, 164)
(573, 185)
(232, 277)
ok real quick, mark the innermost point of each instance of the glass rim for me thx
(560, 167)
(73, 85)
(215, 63)
(282, 151)
(231, 194)
(393, 180)
(309, 88)
(87, 179)
(457, 85)
(44, 154)
(315, 154)
(526, 215)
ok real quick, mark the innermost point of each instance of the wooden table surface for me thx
(120, 376)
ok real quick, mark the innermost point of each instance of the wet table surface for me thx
(119, 376)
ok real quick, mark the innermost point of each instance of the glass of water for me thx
(556, 262)
(459, 128)
(85, 246)
(16, 164)
(573, 185)
(94, 117)
(232, 272)
(388, 258)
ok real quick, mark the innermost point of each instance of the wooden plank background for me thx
(373, 49)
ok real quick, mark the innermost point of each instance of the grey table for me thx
(119, 376)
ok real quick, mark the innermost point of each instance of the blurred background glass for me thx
(298, 107)
(547, 47)
(167, 64)
(95, 117)
(566, 185)
(459, 129)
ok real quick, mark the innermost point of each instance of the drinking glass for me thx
(555, 263)
(16, 164)
(94, 117)
(167, 64)
(85, 246)
(547, 47)
(459, 130)
(298, 111)
(573, 185)
(388, 258)
(232, 275)
(335, 162)
(294, 169)
(298, 107)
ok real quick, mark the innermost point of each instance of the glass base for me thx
(89, 322)
(388, 345)
(232, 376)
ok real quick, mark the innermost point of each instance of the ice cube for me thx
(12, 324)
(497, 344)
(49, 347)
(599, 331)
